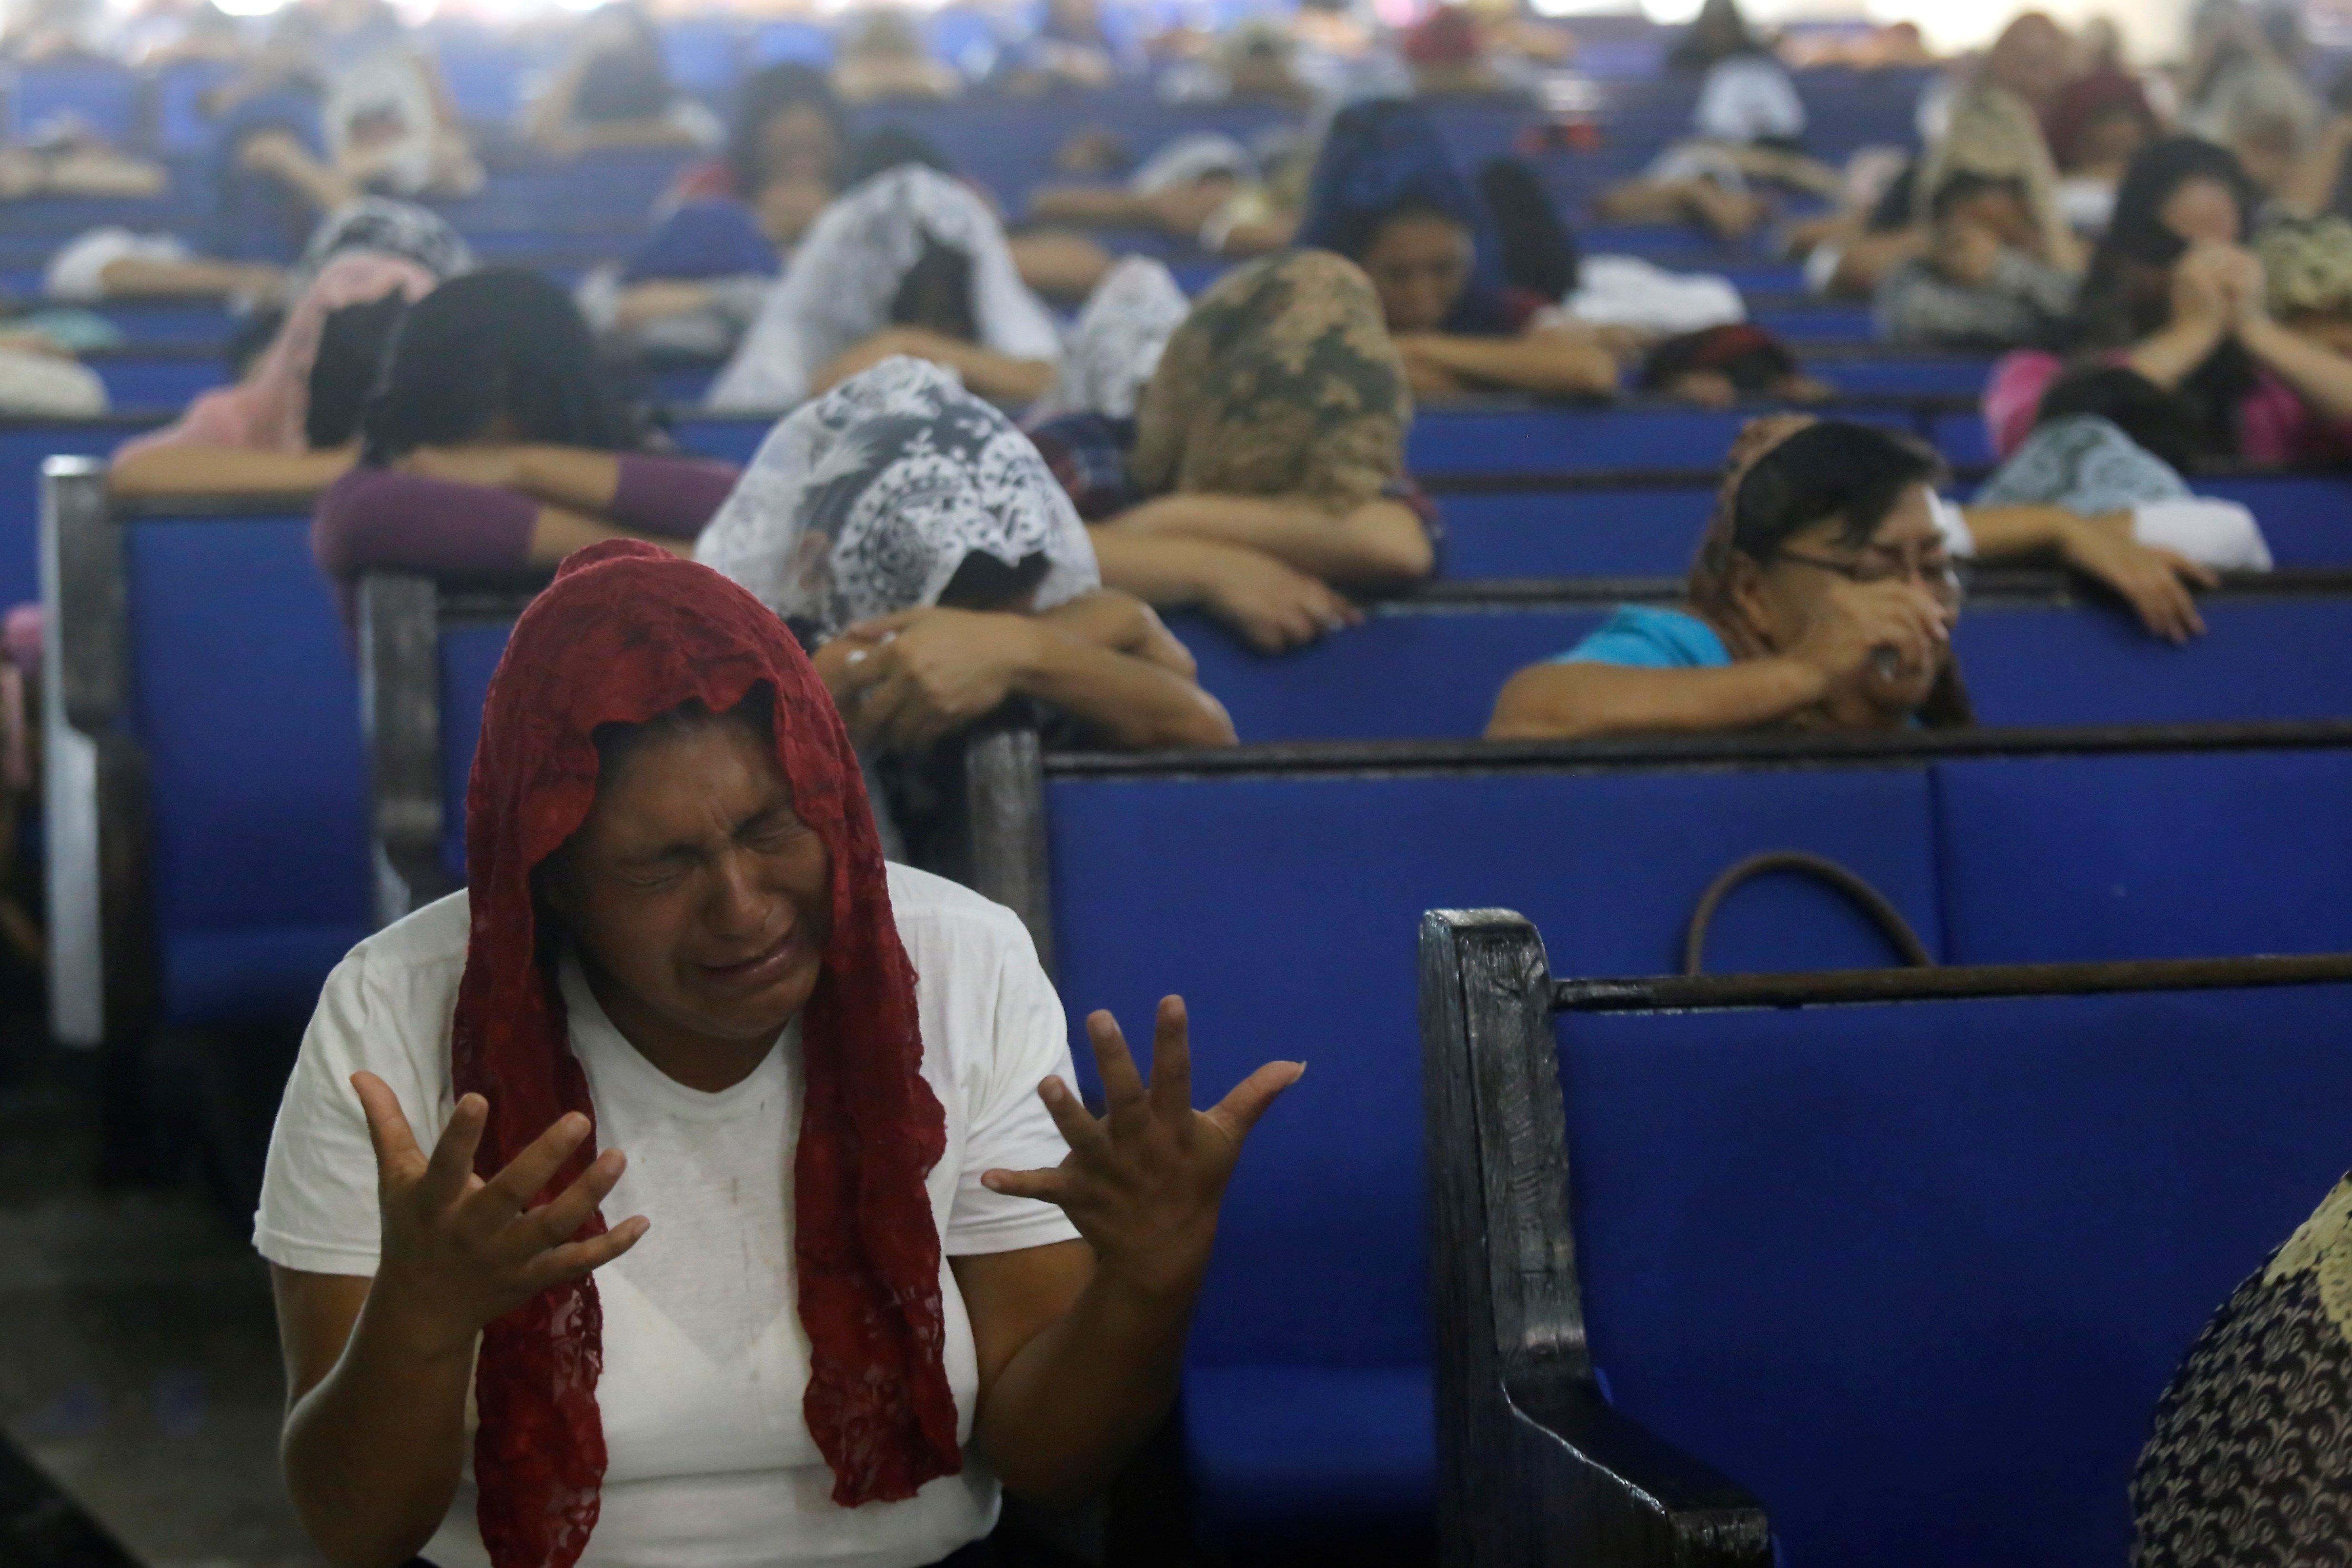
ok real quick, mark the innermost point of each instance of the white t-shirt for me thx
(710, 1464)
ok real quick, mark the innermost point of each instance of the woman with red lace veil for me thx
(673, 1197)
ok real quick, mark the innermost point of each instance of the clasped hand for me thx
(460, 1252)
(1143, 1181)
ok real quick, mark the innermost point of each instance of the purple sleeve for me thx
(674, 497)
(374, 518)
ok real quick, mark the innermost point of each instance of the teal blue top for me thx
(1647, 638)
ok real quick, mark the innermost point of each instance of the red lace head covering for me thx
(627, 633)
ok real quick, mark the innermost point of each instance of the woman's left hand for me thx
(928, 671)
(1142, 1183)
(2155, 582)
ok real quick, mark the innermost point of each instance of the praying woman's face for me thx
(801, 143)
(697, 891)
(1419, 263)
(1785, 597)
(2202, 212)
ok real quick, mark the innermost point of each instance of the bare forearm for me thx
(1575, 701)
(2012, 532)
(2168, 357)
(557, 531)
(2321, 378)
(130, 278)
(570, 476)
(372, 1455)
(1067, 1410)
(1162, 570)
(1383, 540)
(992, 374)
(1136, 703)
(1555, 364)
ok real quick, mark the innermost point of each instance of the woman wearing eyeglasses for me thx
(1824, 597)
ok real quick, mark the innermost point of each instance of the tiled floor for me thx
(138, 1358)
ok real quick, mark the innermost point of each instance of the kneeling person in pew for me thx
(866, 1259)
(1823, 597)
(917, 543)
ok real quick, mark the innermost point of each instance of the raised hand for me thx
(460, 1251)
(1142, 1183)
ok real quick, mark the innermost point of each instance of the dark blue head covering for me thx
(1386, 155)
(714, 237)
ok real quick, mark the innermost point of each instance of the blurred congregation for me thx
(1742, 632)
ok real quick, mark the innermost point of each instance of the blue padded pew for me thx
(159, 375)
(1905, 1258)
(1488, 436)
(203, 765)
(25, 445)
(1645, 523)
(1301, 1415)
(1857, 370)
(1428, 666)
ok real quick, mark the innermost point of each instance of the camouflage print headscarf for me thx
(1283, 381)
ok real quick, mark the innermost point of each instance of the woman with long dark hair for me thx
(495, 443)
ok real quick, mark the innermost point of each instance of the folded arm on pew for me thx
(2156, 583)
(903, 682)
(1273, 605)
(1379, 543)
(1551, 362)
(192, 471)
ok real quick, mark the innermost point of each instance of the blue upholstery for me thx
(1284, 908)
(1274, 1444)
(1916, 1275)
(1426, 674)
(1935, 376)
(1284, 911)
(99, 95)
(2187, 854)
(246, 700)
(158, 379)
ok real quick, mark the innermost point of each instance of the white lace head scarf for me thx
(842, 281)
(1118, 342)
(868, 500)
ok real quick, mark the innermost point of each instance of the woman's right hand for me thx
(459, 1252)
(1274, 607)
(1861, 623)
(2203, 283)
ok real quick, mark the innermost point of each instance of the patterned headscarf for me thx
(2309, 266)
(626, 634)
(1994, 133)
(1381, 155)
(1117, 345)
(388, 227)
(868, 500)
(1283, 381)
(847, 272)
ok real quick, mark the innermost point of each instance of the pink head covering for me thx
(265, 412)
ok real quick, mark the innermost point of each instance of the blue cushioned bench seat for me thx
(1428, 672)
(245, 701)
(1916, 1275)
(1283, 906)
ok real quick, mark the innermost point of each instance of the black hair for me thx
(1742, 353)
(2152, 417)
(936, 293)
(2123, 298)
(763, 95)
(984, 583)
(891, 147)
(1719, 32)
(501, 341)
(1968, 184)
(1539, 251)
(1833, 468)
(1356, 231)
(352, 347)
